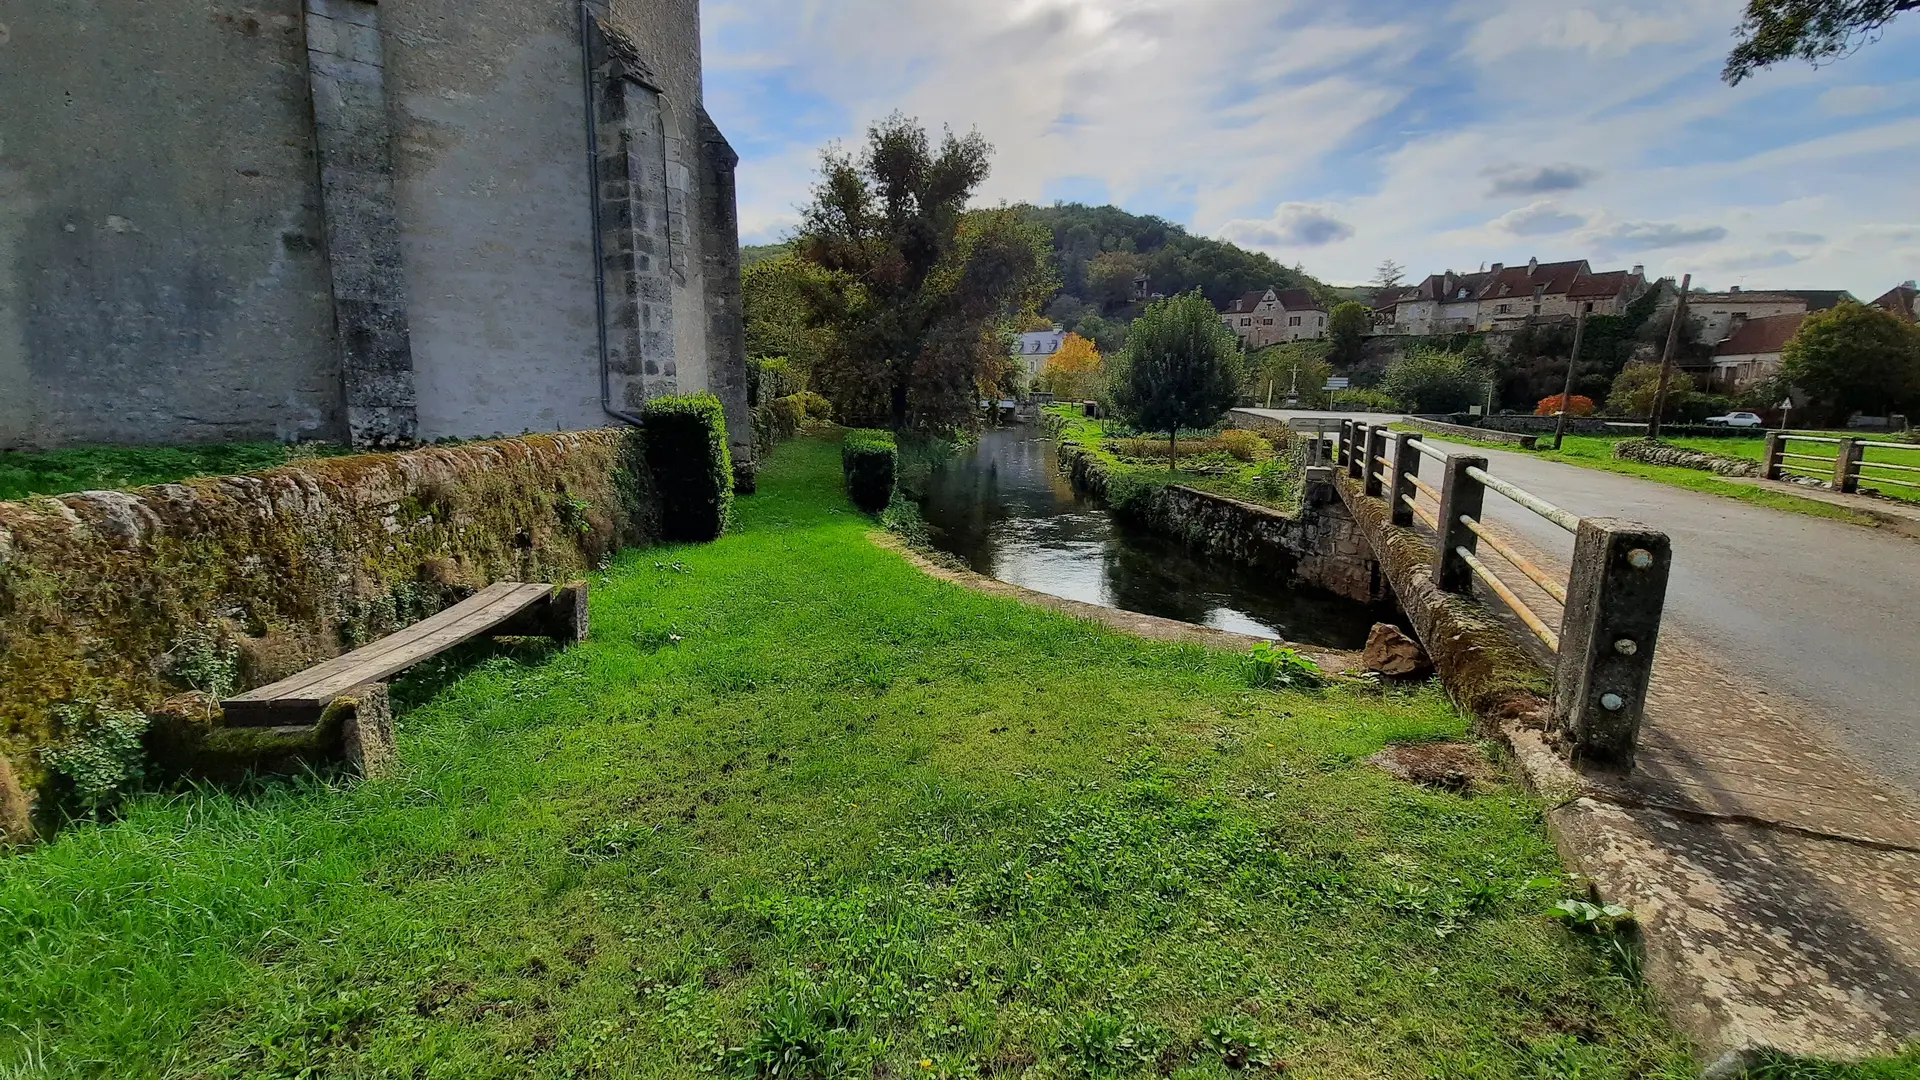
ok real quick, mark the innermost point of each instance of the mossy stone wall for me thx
(124, 599)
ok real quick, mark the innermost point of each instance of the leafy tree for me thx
(1577, 406)
(1347, 326)
(915, 283)
(773, 294)
(1181, 368)
(1817, 31)
(1110, 277)
(1282, 368)
(1638, 385)
(1855, 358)
(1107, 335)
(1388, 277)
(1432, 381)
(1075, 371)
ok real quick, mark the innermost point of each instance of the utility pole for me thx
(1666, 358)
(1566, 395)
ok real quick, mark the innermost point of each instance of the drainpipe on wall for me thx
(593, 205)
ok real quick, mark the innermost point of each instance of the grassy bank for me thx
(1756, 450)
(1240, 465)
(110, 468)
(1596, 452)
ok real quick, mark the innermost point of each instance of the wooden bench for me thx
(504, 609)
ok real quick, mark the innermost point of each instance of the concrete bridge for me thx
(1767, 835)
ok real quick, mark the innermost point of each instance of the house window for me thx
(1589, 309)
(1506, 309)
(1294, 321)
(1246, 322)
(1536, 309)
(1266, 322)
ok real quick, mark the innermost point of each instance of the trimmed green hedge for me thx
(692, 468)
(869, 458)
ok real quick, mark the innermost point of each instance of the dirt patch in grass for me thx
(1449, 766)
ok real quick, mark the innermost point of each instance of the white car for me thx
(1736, 419)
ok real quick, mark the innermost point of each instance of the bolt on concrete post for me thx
(1357, 451)
(1460, 495)
(1776, 450)
(1406, 466)
(1846, 466)
(1376, 449)
(1615, 597)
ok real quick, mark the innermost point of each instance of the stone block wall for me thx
(105, 594)
(1652, 452)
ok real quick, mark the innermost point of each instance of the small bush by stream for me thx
(1266, 467)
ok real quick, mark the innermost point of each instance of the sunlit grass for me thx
(796, 802)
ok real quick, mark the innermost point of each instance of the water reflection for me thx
(1008, 511)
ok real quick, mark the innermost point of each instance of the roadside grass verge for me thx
(1756, 450)
(1596, 452)
(57, 472)
(800, 810)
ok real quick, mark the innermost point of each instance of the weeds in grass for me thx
(1271, 666)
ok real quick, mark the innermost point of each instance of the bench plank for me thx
(310, 691)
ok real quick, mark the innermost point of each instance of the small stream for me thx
(1007, 510)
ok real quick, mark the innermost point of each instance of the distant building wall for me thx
(163, 273)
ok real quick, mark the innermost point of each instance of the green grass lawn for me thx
(798, 810)
(108, 468)
(1756, 450)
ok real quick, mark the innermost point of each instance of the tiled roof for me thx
(1902, 301)
(1611, 283)
(1554, 279)
(1246, 303)
(1298, 300)
(1817, 299)
(1761, 337)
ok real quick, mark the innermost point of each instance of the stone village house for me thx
(1033, 348)
(1506, 297)
(340, 219)
(1260, 319)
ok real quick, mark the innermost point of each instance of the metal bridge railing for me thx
(1845, 470)
(1610, 604)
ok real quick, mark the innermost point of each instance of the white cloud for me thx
(1537, 219)
(1308, 131)
(1757, 260)
(1292, 225)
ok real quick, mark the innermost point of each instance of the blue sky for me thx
(1440, 135)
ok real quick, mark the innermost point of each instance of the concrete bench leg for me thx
(365, 714)
(562, 617)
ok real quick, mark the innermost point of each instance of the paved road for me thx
(1819, 611)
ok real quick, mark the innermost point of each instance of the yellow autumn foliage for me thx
(1076, 372)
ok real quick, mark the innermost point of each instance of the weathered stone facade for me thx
(333, 219)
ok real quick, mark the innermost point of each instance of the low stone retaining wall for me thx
(1546, 425)
(121, 600)
(1476, 658)
(1650, 452)
(1321, 547)
(1458, 431)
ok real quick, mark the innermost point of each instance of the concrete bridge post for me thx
(1776, 454)
(1460, 496)
(1345, 440)
(1406, 465)
(1846, 466)
(1615, 598)
(1370, 469)
(1357, 451)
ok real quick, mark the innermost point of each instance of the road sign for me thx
(1337, 384)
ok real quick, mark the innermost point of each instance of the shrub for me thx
(692, 468)
(813, 407)
(776, 421)
(1431, 381)
(99, 753)
(1578, 406)
(869, 458)
(1363, 401)
(1245, 445)
(1155, 450)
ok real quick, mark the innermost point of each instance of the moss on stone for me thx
(292, 565)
